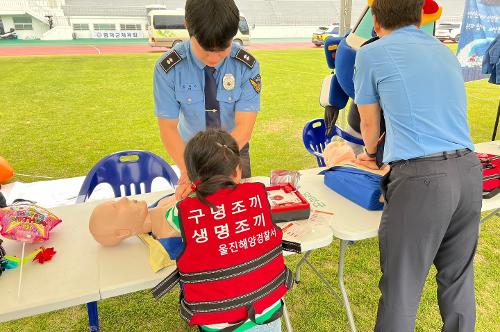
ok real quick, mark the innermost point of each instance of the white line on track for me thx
(97, 49)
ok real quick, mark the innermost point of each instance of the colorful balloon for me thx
(27, 223)
(6, 171)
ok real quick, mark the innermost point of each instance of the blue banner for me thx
(480, 26)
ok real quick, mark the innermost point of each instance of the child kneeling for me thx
(231, 271)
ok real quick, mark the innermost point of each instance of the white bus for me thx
(166, 29)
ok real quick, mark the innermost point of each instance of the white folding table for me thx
(351, 222)
(71, 278)
(83, 271)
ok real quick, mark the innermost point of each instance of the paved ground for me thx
(15, 48)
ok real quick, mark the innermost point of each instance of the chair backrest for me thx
(315, 139)
(125, 169)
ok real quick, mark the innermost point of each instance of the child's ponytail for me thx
(211, 186)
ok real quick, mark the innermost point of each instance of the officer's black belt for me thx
(189, 309)
(435, 156)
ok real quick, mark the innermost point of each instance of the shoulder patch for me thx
(170, 61)
(256, 83)
(245, 57)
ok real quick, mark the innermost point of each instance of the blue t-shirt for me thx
(179, 93)
(419, 85)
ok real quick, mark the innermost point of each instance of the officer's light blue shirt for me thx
(419, 85)
(179, 93)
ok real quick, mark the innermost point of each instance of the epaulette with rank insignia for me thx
(170, 61)
(245, 57)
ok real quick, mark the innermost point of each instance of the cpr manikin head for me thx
(113, 221)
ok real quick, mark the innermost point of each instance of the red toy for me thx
(45, 255)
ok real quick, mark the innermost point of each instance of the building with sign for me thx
(68, 19)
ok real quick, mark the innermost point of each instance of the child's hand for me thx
(183, 187)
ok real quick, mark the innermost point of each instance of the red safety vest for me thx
(232, 265)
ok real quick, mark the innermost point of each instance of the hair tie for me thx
(225, 147)
(195, 184)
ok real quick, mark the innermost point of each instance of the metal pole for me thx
(299, 266)
(286, 317)
(350, 317)
(345, 16)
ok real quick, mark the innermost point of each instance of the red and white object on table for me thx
(287, 203)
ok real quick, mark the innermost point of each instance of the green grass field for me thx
(59, 115)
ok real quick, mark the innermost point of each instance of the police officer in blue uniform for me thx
(207, 82)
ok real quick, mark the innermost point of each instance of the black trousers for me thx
(431, 216)
(245, 161)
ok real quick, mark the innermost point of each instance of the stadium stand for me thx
(261, 12)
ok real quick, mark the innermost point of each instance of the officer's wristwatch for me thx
(371, 155)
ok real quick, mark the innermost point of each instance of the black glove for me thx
(331, 116)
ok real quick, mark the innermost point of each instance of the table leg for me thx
(299, 265)
(93, 316)
(343, 247)
(492, 214)
(496, 123)
(286, 317)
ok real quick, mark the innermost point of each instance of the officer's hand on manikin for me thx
(365, 160)
(183, 187)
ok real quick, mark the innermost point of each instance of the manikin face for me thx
(114, 221)
(210, 59)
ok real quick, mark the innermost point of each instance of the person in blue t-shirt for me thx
(433, 192)
(207, 82)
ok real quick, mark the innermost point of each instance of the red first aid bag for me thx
(491, 174)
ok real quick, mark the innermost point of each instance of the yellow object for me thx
(158, 256)
(428, 18)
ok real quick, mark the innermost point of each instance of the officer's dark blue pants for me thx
(431, 216)
(246, 171)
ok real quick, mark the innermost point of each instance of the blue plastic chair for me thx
(121, 170)
(124, 169)
(315, 139)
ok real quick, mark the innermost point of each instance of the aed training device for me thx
(358, 186)
(491, 174)
(287, 203)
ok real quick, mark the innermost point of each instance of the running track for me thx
(124, 49)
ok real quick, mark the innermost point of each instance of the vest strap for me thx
(291, 246)
(233, 271)
(166, 284)
(247, 300)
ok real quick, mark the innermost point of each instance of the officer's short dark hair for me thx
(394, 14)
(213, 23)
